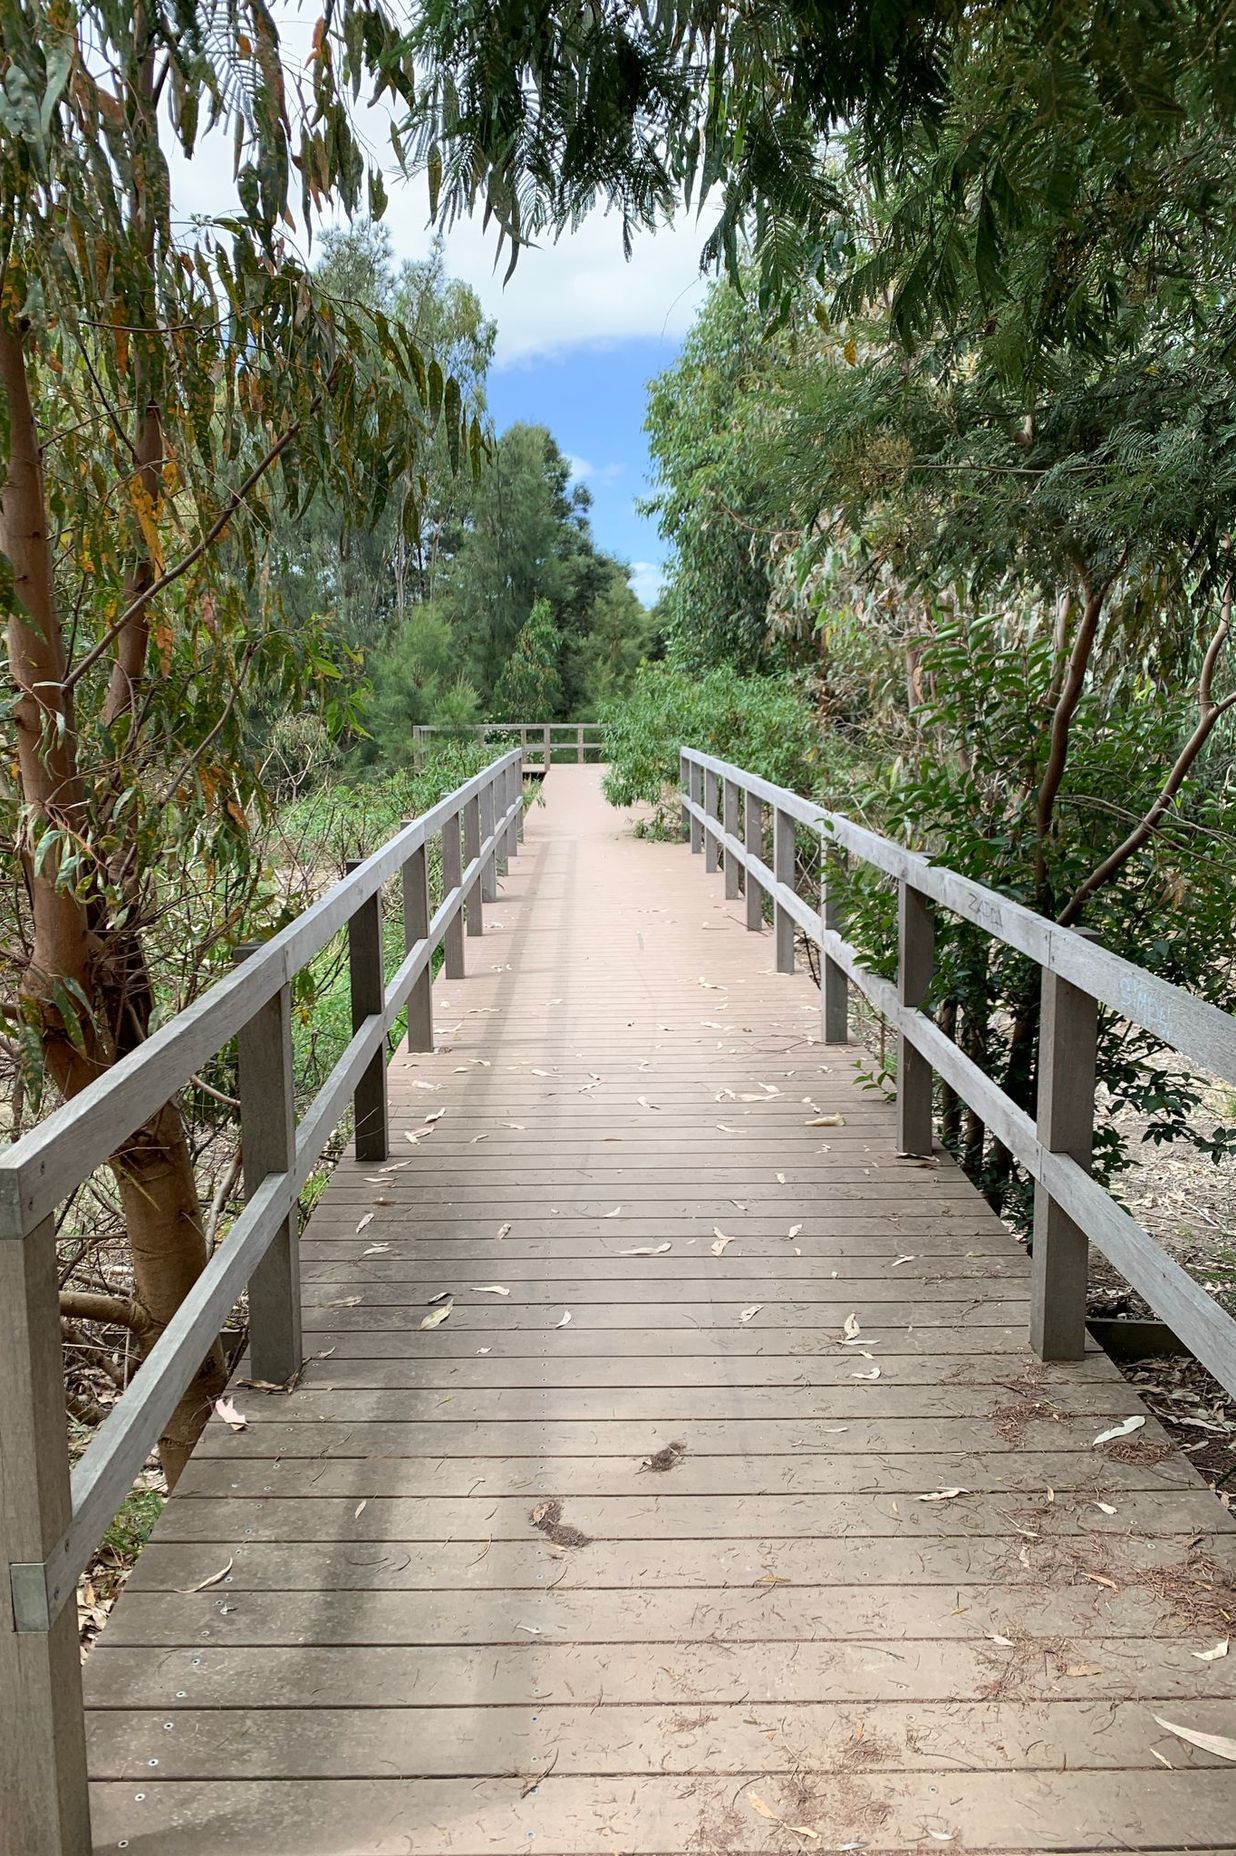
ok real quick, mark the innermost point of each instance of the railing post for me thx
(729, 819)
(579, 743)
(368, 987)
(753, 844)
(489, 869)
(548, 750)
(684, 789)
(834, 986)
(499, 801)
(471, 850)
(784, 869)
(268, 1145)
(415, 928)
(44, 1803)
(514, 791)
(711, 806)
(1059, 1268)
(452, 876)
(696, 788)
(915, 954)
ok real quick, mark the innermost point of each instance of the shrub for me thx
(765, 724)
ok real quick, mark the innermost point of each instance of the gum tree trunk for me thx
(83, 977)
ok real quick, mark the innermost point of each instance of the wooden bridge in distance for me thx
(726, 1510)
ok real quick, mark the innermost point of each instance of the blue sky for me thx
(592, 400)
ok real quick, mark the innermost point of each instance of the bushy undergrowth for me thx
(765, 724)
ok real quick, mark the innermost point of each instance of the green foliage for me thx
(371, 579)
(704, 423)
(134, 1524)
(414, 681)
(762, 723)
(535, 114)
(622, 635)
(528, 539)
(530, 685)
(1079, 114)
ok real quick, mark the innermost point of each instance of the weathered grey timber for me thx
(792, 1540)
(51, 1522)
(1072, 1210)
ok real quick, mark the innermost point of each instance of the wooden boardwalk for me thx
(886, 1591)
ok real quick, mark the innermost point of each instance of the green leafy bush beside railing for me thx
(764, 723)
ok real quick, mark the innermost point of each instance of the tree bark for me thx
(1071, 687)
(81, 978)
(1209, 713)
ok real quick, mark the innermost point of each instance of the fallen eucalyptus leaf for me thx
(1219, 1744)
(1119, 1430)
(765, 1810)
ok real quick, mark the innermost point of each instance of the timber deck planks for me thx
(400, 1661)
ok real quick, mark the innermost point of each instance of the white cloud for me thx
(647, 579)
(579, 468)
(579, 292)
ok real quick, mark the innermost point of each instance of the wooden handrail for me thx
(1071, 1208)
(538, 751)
(51, 1522)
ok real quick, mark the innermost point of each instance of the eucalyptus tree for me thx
(165, 388)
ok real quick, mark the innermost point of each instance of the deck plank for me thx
(398, 1658)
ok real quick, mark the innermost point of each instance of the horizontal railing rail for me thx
(1072, 1210)
(51, 1521)
(541, 742)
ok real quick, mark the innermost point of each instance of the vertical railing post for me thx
(915, 955)
(579, 743)
(1060, 1261)
(499, 803)
(712, 789)
(471, 850)
(785, 871)
(684, 789)
(696, 787)
(834, 986)
(753, 844)
(452, 876)
(514, 791)
(368, 989)
(268, 1145)
(44, 1803)
(548, 749)
(489, 869)
(729, 818)
(415, 928)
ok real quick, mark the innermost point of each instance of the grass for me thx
(134, 1524)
